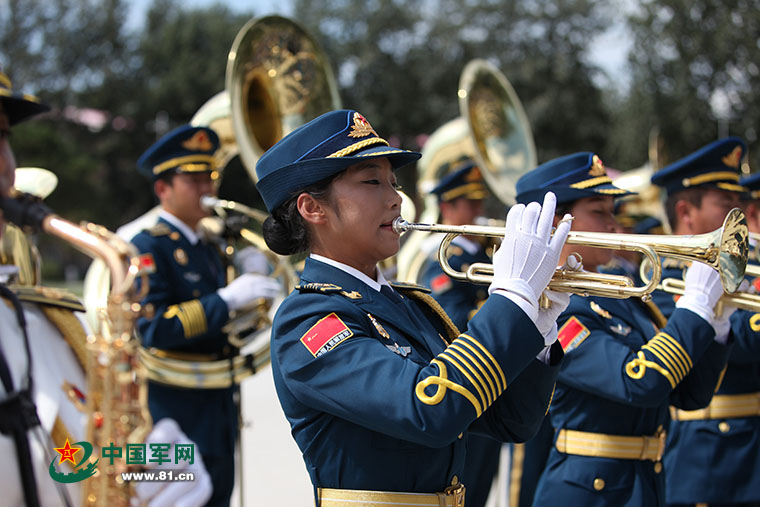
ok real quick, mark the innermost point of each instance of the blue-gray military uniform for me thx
(461, 300)
(623, 367)
(188, 318)
(713, 454)
(337, 340)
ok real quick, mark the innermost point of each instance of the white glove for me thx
(175, 493)
(703, 291)
(246, 288)
(525, 262)
(251, 260)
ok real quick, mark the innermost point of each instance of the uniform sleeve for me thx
(603, 365)
(176, 324)
(330, 363)
(520, 410)
(745, 330)
(696, 389)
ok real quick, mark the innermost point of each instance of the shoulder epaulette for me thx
(327, 288)
(48, 296)
(406, 286)
(160, 229)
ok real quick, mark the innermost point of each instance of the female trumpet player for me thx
(378, 385)
(624, 365)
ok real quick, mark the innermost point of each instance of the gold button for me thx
(460, 436)
(724, 427)
(598, 484)
(454, 480)
(658, 467)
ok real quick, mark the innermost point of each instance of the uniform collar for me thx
(186, 231)
(375, 284)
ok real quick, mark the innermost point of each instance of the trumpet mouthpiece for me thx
(400, 225)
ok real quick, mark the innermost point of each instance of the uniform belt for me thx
(328, 497)
(185, 356)
(722, 406)
(600, 445)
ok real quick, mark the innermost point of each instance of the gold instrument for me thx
(725, 249)
(277, 79)
(493, 129)
(116, 389)
(738, 299)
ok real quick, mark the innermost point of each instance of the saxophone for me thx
(116, 386)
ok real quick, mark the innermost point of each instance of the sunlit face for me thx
(362, 204)
(182, 195)
(7, 161)
(711, 212)
(461, 211)
(593, 214)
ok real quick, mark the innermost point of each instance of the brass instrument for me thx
(493, 129)
(116, 389)
(277, 78)
(738, 299)
(725, 249)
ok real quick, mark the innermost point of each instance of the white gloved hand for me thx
(546, 322)
(529, 253)
(702, 292)
(175, 493)
(246, 288)
(251, 260)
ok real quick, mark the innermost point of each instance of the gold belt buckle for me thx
(457, 495)
(662, 437)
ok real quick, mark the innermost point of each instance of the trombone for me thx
(724, 249)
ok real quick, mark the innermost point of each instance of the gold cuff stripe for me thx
(467, 360)
(680, 348)
(484, 402)
(477, 361)
(188, 159)
(442, 383)
(708, 177)
(592, 182)
(664, 355)
(642, 363)
(488, 355)
(358, 146)
(191, 316)
(499, 385)
(677, 351)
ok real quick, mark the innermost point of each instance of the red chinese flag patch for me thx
(572, 334)
(325, 335)
(440, 283)
(147, 264)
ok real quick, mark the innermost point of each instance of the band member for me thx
(379, 386)
(42, 377)
(460, 196)
(701, 189)
(191, 301)
(624, 365)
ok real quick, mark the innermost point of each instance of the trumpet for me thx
(725, 249)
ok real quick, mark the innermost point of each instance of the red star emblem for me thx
(67, 452)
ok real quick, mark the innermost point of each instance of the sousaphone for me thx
(493, 129)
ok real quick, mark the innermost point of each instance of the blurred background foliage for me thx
(115, 88)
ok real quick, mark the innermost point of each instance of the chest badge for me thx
(180, 256)
(379, 327)
(600, 311)
(402, 351)
(621, 329)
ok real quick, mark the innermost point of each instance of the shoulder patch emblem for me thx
(147, 263)
(600, 311)
(572, 334)
(325, 335)
(440, 283)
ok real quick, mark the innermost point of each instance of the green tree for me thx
(693, 65)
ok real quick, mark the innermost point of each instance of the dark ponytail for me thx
(285, 230)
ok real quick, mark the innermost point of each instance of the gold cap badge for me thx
(733, 158)
(199, 142)
(361, 127)
(597, 167)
